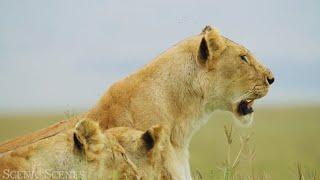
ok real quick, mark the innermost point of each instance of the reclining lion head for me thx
(131, 153)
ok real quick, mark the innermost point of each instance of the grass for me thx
(283, 143)
(280, 138)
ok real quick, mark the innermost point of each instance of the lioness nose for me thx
(269, 77)
(270, 80)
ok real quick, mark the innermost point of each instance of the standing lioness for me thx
(183, 86)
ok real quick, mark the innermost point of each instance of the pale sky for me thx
(64, 54)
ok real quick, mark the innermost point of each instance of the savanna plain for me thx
(282, 144)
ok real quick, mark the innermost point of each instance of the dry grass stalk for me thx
(198, 175)
(231, 165)
(300, 172)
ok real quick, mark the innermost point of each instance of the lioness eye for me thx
(244, 58)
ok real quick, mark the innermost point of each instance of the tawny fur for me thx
(119, 152)
(179, 90)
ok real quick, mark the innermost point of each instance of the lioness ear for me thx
(88, 139)
(152, 136)
(211, 45)
(206, 29)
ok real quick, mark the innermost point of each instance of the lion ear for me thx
(88, 139)
(152, 136)
(211, 45)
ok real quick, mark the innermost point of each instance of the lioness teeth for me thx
(249, 103)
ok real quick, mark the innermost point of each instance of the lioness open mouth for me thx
(245, 107)
(243, 111)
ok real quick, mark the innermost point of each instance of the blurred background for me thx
(58, 57)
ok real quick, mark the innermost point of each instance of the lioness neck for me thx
(167, 91)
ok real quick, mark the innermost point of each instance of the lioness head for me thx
(150, 150)
(131, 153)
(233, 76)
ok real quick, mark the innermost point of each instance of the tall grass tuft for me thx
(302, 175)
(230, 164)
(244, 154)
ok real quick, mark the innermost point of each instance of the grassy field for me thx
(280, 138)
